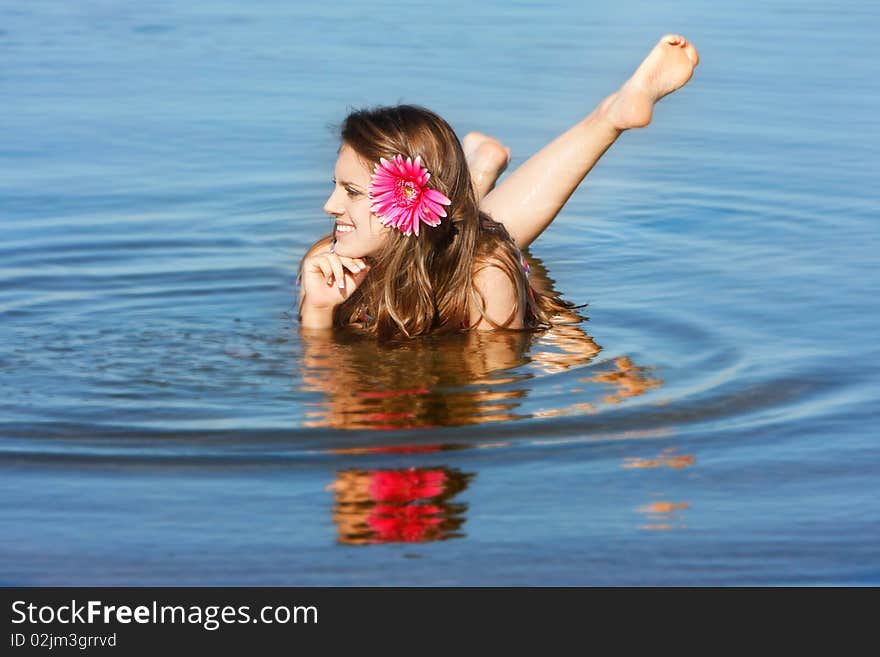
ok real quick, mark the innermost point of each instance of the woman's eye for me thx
(352, 192)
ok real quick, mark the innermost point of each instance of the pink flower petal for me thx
(401, 198)
(436, 196)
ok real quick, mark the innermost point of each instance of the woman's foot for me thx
(668, 67)
(487, 159)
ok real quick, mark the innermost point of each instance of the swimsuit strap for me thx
(528, 272)
(525, 264)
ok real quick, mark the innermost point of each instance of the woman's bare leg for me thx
(531, 197)
(487, 159)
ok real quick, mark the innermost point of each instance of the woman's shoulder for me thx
(496, 296)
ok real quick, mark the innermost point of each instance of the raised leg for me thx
(487, 159)
(531, 197)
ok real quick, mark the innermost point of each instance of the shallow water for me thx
(162, 421)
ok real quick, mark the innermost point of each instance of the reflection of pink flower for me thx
(401, 197)
(406, 485)
(387, 416)
(407, 524)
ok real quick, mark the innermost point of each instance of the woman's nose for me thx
(332, 206)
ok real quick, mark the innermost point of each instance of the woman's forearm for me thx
(314, 318)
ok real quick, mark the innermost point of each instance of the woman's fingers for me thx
(338, 272)
(333, 267)
(354, 265)
(323, 265)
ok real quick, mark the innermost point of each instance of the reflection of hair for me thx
(422, 284)
(415, 384)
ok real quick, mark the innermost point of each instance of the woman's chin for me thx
(352, 250)
(347, 251)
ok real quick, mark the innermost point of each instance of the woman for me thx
(417, 250)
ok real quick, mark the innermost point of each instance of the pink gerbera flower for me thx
(401, 197)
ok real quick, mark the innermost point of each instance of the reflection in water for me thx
(663, 516)
(452, 380)
(666, 459)
(398, 506)
(627, 379)
(417, 384)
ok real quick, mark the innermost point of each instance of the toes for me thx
(672, 39)
(692, 54)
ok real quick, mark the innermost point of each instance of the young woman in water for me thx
(423, 244)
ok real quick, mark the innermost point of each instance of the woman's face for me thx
(358, 231)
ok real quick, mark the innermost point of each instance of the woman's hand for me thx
(329, 279)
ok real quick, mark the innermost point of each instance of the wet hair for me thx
(425, 284)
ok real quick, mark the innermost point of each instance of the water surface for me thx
(708, 418)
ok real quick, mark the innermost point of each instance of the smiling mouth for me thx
(344, 228)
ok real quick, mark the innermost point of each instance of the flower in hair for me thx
(401, 197)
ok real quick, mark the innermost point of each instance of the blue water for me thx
(714, 421)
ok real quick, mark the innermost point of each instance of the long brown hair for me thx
(425, 284)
